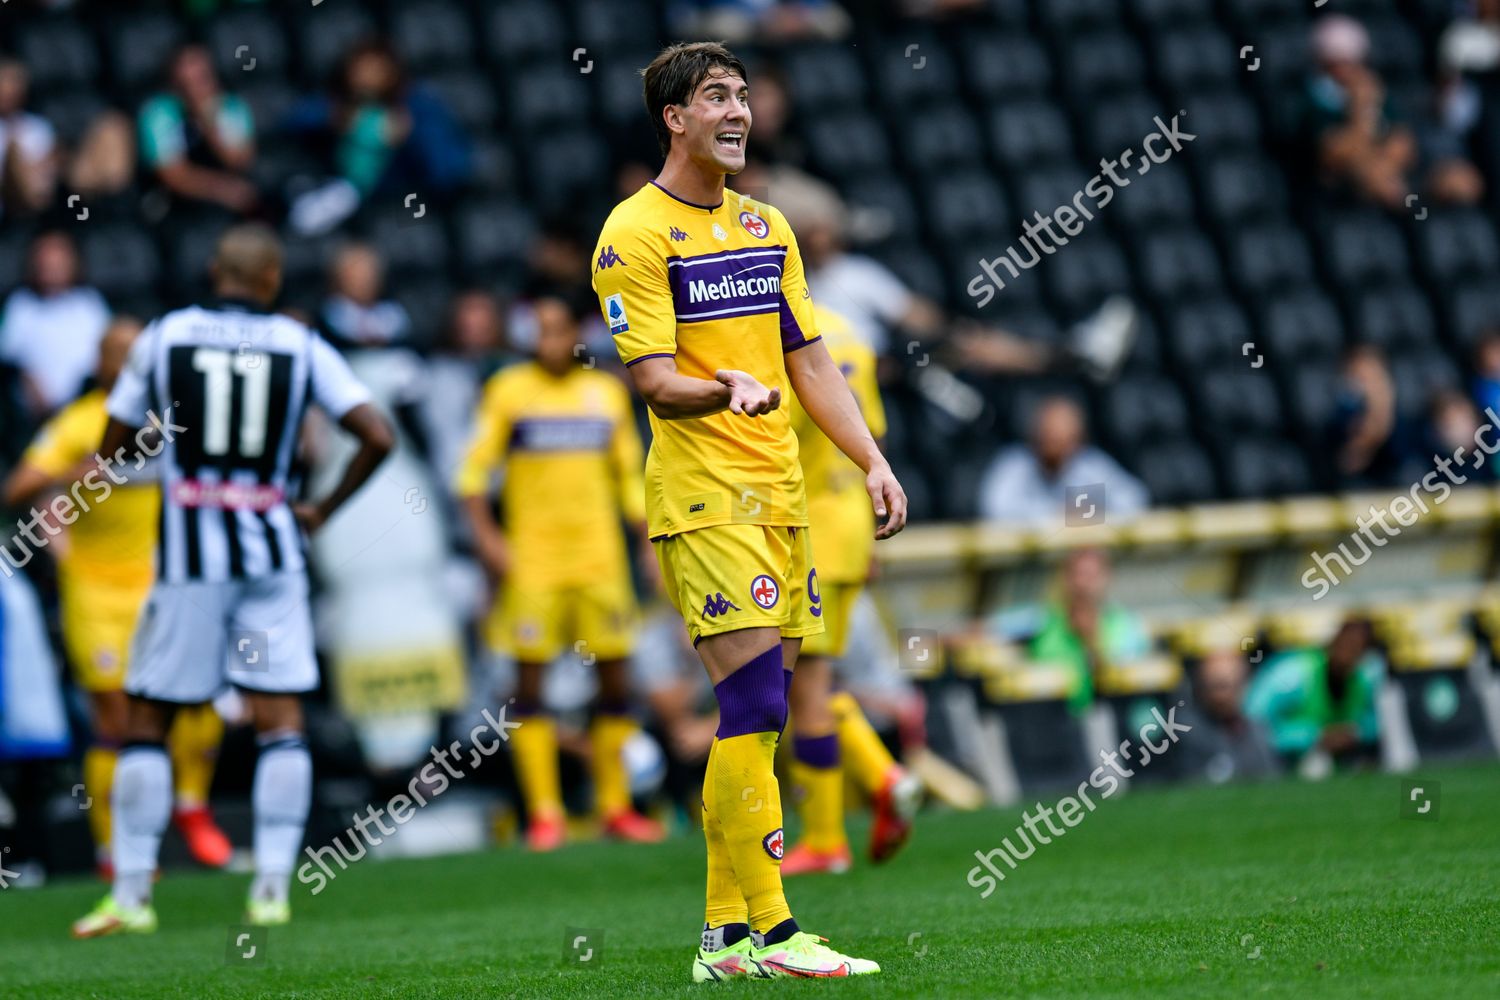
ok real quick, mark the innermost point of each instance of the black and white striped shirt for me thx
(234, 383)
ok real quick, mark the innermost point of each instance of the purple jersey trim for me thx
(798, 347)
(643, 357)
(689, 204)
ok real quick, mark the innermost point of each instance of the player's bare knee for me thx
(271, 713)
(614, 681)
(147, 720)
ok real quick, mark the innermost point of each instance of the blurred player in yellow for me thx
(830, 734)
(704, 293)
(105, 567)
(565, 437)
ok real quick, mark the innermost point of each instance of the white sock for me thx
(142, 803)
(281, 797)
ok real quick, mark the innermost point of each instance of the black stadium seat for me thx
(1178, 264)
(847, 143)
(1190, 58)
(1144, 409)
(1067, 17)
(547, 96)
(433, 34)
(521, 29)
(1241, 186)
(915, 68)
(1176, 471)
(822, 76)
(1474, 309)
(1102, 63)
(1456, 243)
(968, 204)
(1394, 316)
(1362, 249)
(263, 39)
(1023, 132)
(940, 137)
(58, 52)
(1268, 258)
(1299, 325)
(1257, 468)
(1213, 332)
(1162, 197)
(1005, 66)
(324, 34)
(1234, 401)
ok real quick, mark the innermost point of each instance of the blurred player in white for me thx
(226, 388)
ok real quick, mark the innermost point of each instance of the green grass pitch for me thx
(1278, 890)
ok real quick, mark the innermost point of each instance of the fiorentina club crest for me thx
(774, 843)
(764, 592)
(754, 225)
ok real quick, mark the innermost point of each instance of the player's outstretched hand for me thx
(309, 516)
(747, 395)
(889, 500)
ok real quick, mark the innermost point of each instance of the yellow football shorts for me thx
(736, 576)
(98, 622)
(537, 622)
(837, 601)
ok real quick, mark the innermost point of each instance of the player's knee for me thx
(275, 713)
(752, 699)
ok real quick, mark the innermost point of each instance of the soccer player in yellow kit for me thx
(566, 439)
(105, 566)
(704, 293)
(830, 734)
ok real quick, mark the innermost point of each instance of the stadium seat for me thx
(492, 235)
(58, 52)
(1067, 17)
(1394, 316)
(1191, 58)
(1248, 13)
(468, 96)
(1089, 270)
(269, 99)
(890, 197)
(941, 137)
(1445, 714)
(432, 34)
(1177, 264)
(1311, 395)
(1023, 132)
(119, 258)
(1241, 186)
(962, 265)
(967, 204)
(263, 38)
(1162, 197)
(1141, 409)
(324, 35)
(140, 45)
(1176, 471)
(1043, 188)
(1211, 333)
(1102, 63)
(823, 76)
(1151, 14)
(494, 165)
(1114, 123)
(1395, 50)
(618, 79)
(916, 268)
(426, 301)
(1456, 243)
(1473, 309)
(848, 143)
(567, 166)
(1269, 257)
(1299, 325)
(408, 245)
(928, 74)
(1005, 66)
(1230, 402)
(1265, 467)
(1362, 248)
(1221, 119)
(545, 97)
(606, 26)
(70, 112)
(521, 29)
(1417, 375)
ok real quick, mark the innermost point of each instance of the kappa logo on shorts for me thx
(764, 592)
(717, 604)
(774, 843)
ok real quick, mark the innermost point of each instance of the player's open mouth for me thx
(730, 140)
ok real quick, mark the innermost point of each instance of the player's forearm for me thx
(825, 395)
(481, 520)
(673, 396)
(25, 485)
(376, 441)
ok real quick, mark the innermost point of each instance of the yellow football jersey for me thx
(114, 542)
(838, 508)
(572, 459)
(716, 287)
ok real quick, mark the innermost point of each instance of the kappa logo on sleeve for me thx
(608, 258)
(614, 308)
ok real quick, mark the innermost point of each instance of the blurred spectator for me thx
(1358, 134)
(1028, 484)
(1453, 424)
(771, 108)
(469, 350)
(355, 314)
(198, 141)
(1364, 429)
(1081, 630)
(1226, 743)
(1321, 701)
(376, 133)
(1469, 91)
(1487, 373)
(28, 147)
(104, 162)
(735, 21)
(51, 326)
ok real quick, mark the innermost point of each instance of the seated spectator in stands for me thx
(51, 326)
(1468, 60)
(1226, 743)
(28, 147)
(1486, 386)
(377, 133)
(1452, 424)
(1027, 485)
(1081, 630)
(1359, 138)
(772, 106)
(198, 141)
(469, 350)
(355, 314)
(1319, 703)
(894, 320)
(1365, 432)
(759, 20)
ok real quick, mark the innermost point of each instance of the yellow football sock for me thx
(98, 779)
(534, 745)
(724, 904)
(820, 804)
(748, 802)
(194, 744)
(609, 735)
(864, 755)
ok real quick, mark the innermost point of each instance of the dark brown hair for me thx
(676, 73)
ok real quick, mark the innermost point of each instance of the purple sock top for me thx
(817, 751)
(753, 698)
